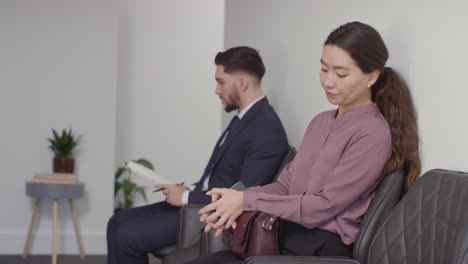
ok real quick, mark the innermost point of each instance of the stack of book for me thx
(55, 178)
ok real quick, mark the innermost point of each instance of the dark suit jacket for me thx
(251, 153)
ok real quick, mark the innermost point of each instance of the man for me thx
(249, 150)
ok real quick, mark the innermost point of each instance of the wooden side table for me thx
(55, 192)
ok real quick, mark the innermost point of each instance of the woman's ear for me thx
(373, 76)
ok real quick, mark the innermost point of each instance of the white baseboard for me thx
(41, 242)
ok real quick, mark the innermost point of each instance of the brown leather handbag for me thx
(256, 235)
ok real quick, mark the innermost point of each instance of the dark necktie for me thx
(230, 128)
(222, 140)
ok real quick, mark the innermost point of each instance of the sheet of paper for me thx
(147, 174)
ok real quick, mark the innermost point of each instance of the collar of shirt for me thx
(246, 109)
(359, 110)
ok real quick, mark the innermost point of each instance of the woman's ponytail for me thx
(393, 97)
(390, 93)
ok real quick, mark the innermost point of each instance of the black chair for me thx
(189, 231)
(386, 197)
(429, 225)
(192, 242)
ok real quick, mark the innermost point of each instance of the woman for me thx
(322, 195)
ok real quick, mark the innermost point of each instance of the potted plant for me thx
(127, 187)
(63, 146)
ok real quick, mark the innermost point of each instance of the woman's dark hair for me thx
(241, 59)
(390, 92)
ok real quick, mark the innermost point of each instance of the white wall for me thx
(427, 43)
(57, 70)
(167, 111)
(135, 78)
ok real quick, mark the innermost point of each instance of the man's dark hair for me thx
(241, 59)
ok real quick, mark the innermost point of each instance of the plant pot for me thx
(64, 165)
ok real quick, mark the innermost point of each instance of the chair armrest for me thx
(190, 225)
(210, 244)
(299, 260)
(181, 255)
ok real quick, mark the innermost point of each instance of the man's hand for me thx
(173, 193)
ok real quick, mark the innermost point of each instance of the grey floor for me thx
(61, 259)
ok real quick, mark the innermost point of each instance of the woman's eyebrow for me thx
(335, 67)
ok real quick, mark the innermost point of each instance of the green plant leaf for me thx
(145, 163)
(141, 191)
(128, 188)
(119, 204)
(117, 186)
(63, 144)
(119, 172)
(129, 194)
(56, 136)
(128, 203)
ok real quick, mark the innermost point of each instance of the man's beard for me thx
(233, 103)
(229, 108)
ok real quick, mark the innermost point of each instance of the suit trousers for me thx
(133, 233)
(294, 240)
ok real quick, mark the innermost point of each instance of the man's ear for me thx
(244, 82)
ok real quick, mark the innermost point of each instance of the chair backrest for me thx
(429, 225)
(210, 244)
(386, 198)
(286, 160)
